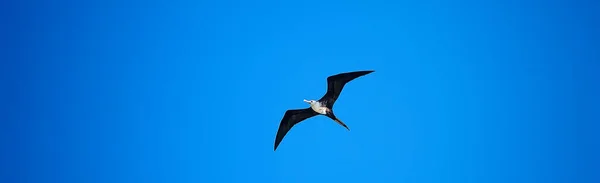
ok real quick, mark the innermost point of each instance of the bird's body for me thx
(323, 106)
(317, 106)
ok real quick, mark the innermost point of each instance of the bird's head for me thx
(309, 101)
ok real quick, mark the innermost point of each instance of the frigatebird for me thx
(323, 106)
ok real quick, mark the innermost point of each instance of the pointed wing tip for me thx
(364, 72)
(275, 146)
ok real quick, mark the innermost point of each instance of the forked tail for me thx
(341, 123)
(332, 116)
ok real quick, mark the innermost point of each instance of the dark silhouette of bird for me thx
(323, 106)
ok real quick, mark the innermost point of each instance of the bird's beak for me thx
(306, 101)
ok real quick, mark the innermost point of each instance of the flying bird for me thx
(323, 106)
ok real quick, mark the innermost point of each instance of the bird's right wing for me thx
(336, 83)
(291, 118)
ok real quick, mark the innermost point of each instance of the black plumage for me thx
(335, 84)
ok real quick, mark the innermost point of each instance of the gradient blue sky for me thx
(193, 91)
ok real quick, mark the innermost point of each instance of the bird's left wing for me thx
(291, 118)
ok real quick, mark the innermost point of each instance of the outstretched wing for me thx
(291, 118)
(336, 83)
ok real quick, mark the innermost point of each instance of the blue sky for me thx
(193, 91)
